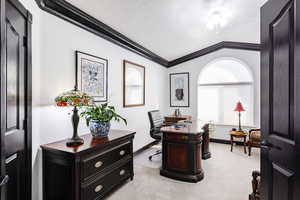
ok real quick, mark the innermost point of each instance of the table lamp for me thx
(239, 108)
(74, 98)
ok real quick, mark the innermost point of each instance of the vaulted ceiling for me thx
(174, 28)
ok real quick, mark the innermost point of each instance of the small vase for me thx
(99, 129)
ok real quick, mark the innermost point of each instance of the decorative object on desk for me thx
(133, 84)
(76, 99)
(239, 108)
(98, 119)
(177, 112)
(91, 75)
(179, 90)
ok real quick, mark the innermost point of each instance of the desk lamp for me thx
(239, 108)
(74, 98)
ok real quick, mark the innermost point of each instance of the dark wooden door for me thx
(280, 100)
(15, 103)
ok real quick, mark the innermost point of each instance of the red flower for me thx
(61, 103)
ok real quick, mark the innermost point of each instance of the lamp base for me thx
(77, 141)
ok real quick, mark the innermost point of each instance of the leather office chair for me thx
(156, 122)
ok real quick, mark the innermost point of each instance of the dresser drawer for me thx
(98, 188)
(97, 162)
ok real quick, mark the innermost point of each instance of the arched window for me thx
(221, 84)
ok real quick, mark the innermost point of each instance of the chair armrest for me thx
(254, 129)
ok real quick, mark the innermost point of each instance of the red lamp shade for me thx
(239, 107)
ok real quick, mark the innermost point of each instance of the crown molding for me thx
(215, 47)
(72, 14)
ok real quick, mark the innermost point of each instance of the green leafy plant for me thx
(103, 113)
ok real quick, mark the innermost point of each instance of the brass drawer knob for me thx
(98, 164)
(98, 188)
(122, 172)
(122, 152)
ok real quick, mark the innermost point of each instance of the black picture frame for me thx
(78, 74)
(186, 90)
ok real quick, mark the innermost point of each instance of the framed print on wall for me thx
(133, 84)
(91, 75)
(180, 89)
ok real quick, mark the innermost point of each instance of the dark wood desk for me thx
(182, 151)
(171, 119)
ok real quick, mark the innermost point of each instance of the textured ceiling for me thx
(174, 28)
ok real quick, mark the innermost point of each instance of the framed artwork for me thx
(91, 75)
(180, 89)
(133, 84)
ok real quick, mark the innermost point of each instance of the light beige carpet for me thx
(227, 177)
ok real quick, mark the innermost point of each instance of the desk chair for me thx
(156, 122)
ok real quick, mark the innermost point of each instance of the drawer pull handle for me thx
(122, 152)
(98, 164)
(122, 172)
(98, 188)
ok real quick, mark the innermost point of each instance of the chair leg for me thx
(249, 149)
(245, 145)
(157, 153)
(231, 142)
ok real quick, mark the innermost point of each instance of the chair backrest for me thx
(156, 120)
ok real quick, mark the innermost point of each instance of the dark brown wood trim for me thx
(2, 87)
(29, 106)
(144, 148)
(213, 48)
(188, 89)
(222, 141)
(124, 85)
(72, 14)
(20, 7)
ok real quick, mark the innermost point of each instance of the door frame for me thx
(28, 93)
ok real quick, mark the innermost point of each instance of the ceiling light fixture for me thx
(216, 21)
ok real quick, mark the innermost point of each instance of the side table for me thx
(238, 134)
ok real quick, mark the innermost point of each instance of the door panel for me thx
(280, 85)
(15, 85)
(282, 68)
(12, 73)
(15, 103)
(280, 32)
(282, 183)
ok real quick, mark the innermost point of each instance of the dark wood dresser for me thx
(90, 171)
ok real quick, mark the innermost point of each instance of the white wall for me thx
(54, 45)
(58, 75)
(194, 67)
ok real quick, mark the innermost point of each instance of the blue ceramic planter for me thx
(99, 129)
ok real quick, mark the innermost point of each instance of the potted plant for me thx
(98, 119)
